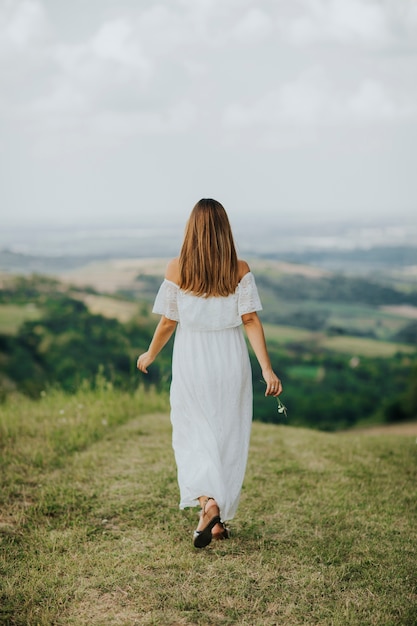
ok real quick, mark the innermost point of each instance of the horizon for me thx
(250, 236)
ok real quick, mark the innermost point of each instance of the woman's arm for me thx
(162, 334)
(165, 328)
(255, 332)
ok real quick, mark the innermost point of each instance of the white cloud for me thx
(368, 22)
(372, 103)
(254, 26)
(141, 52)
(162, 30)
(300, 101)
(203, 25)
(23, 23)
(65, 100)
(114, 42)
(311, 102)
(218, 74)
(176, 119)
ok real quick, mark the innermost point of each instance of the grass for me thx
(306, 372)
(122, 310)
(365, 347)
(287, 334)
(13, 315)
(343, 344)
(91, 533)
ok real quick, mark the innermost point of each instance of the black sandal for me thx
(203, 537)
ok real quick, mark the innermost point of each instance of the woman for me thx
(206, 295)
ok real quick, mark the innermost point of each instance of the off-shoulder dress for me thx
(211, 391)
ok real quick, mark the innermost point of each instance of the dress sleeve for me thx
(249, 300)
(166, 301)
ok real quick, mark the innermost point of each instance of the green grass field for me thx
(365, 347)
(13, 315)
(359, 346)
(91, 533)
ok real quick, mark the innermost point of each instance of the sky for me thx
(129, 111)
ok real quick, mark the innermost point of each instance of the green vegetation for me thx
(335, 288)
(67, 345)
(332, 392)
(341, 344)
(12, 316)
(332, 380)
(91, 534)
(337, 304)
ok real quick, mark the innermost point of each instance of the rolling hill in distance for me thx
(340, 319)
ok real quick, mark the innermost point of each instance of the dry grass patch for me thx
(359, 346)
(401, 310)
(283, 267)
(365, 347)
(13, 315)
(114, 274)
(122, 310)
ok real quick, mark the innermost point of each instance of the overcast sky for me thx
(125, 111)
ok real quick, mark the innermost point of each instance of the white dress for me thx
(211, 391)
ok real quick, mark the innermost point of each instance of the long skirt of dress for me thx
(211, 415)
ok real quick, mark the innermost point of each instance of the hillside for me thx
(334, 341)
(91, 533)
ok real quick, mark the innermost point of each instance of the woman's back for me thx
(207, 313)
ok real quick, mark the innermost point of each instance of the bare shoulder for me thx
(172, 271)
(243, 268)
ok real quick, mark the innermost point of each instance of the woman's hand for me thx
(160, 337)
(143, 361)
(273, 383)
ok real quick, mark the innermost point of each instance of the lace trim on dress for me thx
(166, 301)
(249, 300)
(211, 313)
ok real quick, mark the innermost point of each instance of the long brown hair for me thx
(208, 261)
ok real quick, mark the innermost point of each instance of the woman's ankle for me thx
(207, 503)
(211, 502)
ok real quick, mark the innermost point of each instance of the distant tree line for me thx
(335, 288)
(378, 257)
